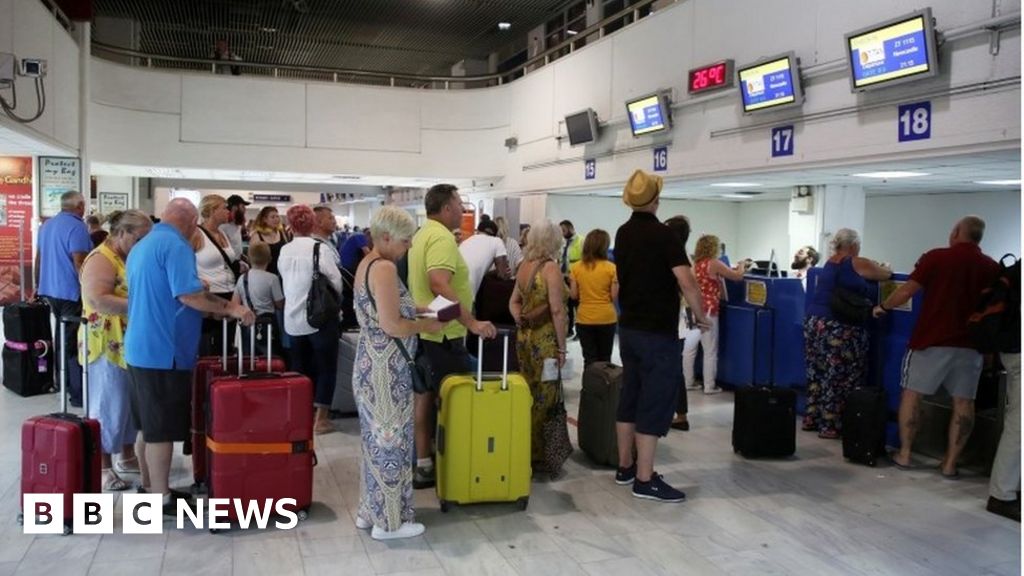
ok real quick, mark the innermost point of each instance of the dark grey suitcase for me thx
(599, 404)
(764, 422)
(344, 400)
(864, 418)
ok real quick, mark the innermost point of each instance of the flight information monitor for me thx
(771, 84)
(581, 127)
(892, 52)
(648, 114)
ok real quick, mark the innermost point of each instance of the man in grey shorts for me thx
(940, 352)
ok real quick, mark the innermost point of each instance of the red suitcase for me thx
(260, 439)
(60, 453)
(207, 368)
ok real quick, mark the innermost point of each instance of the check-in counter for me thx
(761, 333)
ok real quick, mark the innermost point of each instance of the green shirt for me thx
(434, 248)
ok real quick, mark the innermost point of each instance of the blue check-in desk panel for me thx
(761, 333)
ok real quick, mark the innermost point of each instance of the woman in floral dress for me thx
(382, 381)
(538, 305)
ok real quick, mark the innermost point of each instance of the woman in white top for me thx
(215, 259)
(314, 352)
(515, 253)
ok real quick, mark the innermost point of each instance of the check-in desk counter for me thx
(761, 333)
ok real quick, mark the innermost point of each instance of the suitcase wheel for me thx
(522, 503)
(445, 506)
(303, 514)
(67, 529)
(21, 519)
(214, 531)
(197, 487)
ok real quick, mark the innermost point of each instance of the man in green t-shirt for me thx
(436, 268)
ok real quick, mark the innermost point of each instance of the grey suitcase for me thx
(599, 403)
(344, 400)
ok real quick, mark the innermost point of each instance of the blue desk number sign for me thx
(915, 121)
(661, 159)
(782, 141)
(590, 169)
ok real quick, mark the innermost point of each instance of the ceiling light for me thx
(890, 174)
(504, 25)
(999, 182)
(737, 196)
(735, 185)
(268, 29)
(571, 32)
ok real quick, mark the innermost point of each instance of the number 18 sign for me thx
(915, 121)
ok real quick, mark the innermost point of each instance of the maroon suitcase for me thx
(60, 453)
(207, 368)
(260, 438)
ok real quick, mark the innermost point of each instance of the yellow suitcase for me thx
(483, 437)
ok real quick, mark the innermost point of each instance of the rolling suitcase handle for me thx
(267, 320)
(64, 321)
(504, 332)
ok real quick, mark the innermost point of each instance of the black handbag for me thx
(323, 302)
(420, 374)
(850, 307)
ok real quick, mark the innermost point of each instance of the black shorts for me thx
(651, 372)
(160, 403)
(442, 359)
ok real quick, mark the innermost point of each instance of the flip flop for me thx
(954, 476)
(115, 483)
(904, 467)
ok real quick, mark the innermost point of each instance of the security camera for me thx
(32, 68)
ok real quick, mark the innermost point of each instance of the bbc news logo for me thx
(144, 513)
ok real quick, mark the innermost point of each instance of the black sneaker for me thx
(1005, 508)
(656, 489)
(423, 478)
(625, 476)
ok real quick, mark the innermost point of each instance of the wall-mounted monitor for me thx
(895, 51)
(771, 84)
(581, 126)
(649, 114)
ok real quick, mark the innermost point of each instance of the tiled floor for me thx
(811, 515)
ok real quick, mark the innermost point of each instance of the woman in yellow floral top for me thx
(105, 305)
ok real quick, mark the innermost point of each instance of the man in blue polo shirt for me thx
(63, 245)
(166, 309)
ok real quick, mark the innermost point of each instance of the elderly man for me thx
(162, 341)
(64, 243)
(940, 351)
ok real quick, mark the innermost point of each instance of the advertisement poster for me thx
(113, 201)
(56, 176)
(15, 215)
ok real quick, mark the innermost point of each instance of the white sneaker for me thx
(694, 387)
(407, 530)
(715, 390)
(363, 524)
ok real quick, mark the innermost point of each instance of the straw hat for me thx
(641, 189)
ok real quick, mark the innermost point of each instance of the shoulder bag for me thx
(417, 371)
(323, 302)
(555, 431)
(849, 306)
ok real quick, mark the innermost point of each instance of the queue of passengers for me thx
(177, 278)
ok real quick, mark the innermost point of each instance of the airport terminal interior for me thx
(780, 129)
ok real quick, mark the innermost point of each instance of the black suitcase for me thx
(599, 405)
(28, 368)
(764, 422)
(27, 322)
(344, 399)
(864, 419)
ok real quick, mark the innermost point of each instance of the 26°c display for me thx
(711, 77)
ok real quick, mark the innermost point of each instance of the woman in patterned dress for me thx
(382, 381)
(538, 305)
(105, 305)
(836, 352)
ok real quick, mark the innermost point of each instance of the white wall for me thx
(898, 229)
(762, 227)
(29, 30)
(587, 213)
(188, 119)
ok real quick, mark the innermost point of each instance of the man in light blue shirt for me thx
(63, 245)
(166, 304)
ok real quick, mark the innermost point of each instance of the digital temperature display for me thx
(711, 77)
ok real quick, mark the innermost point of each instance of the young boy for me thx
(261, 292)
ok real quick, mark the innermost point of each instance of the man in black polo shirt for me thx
(652, 269)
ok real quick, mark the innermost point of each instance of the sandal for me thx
(323, 427)
(954, 476)
(829, 434)
(127, 466)
(112, 482)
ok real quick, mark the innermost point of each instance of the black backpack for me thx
(998, 311)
